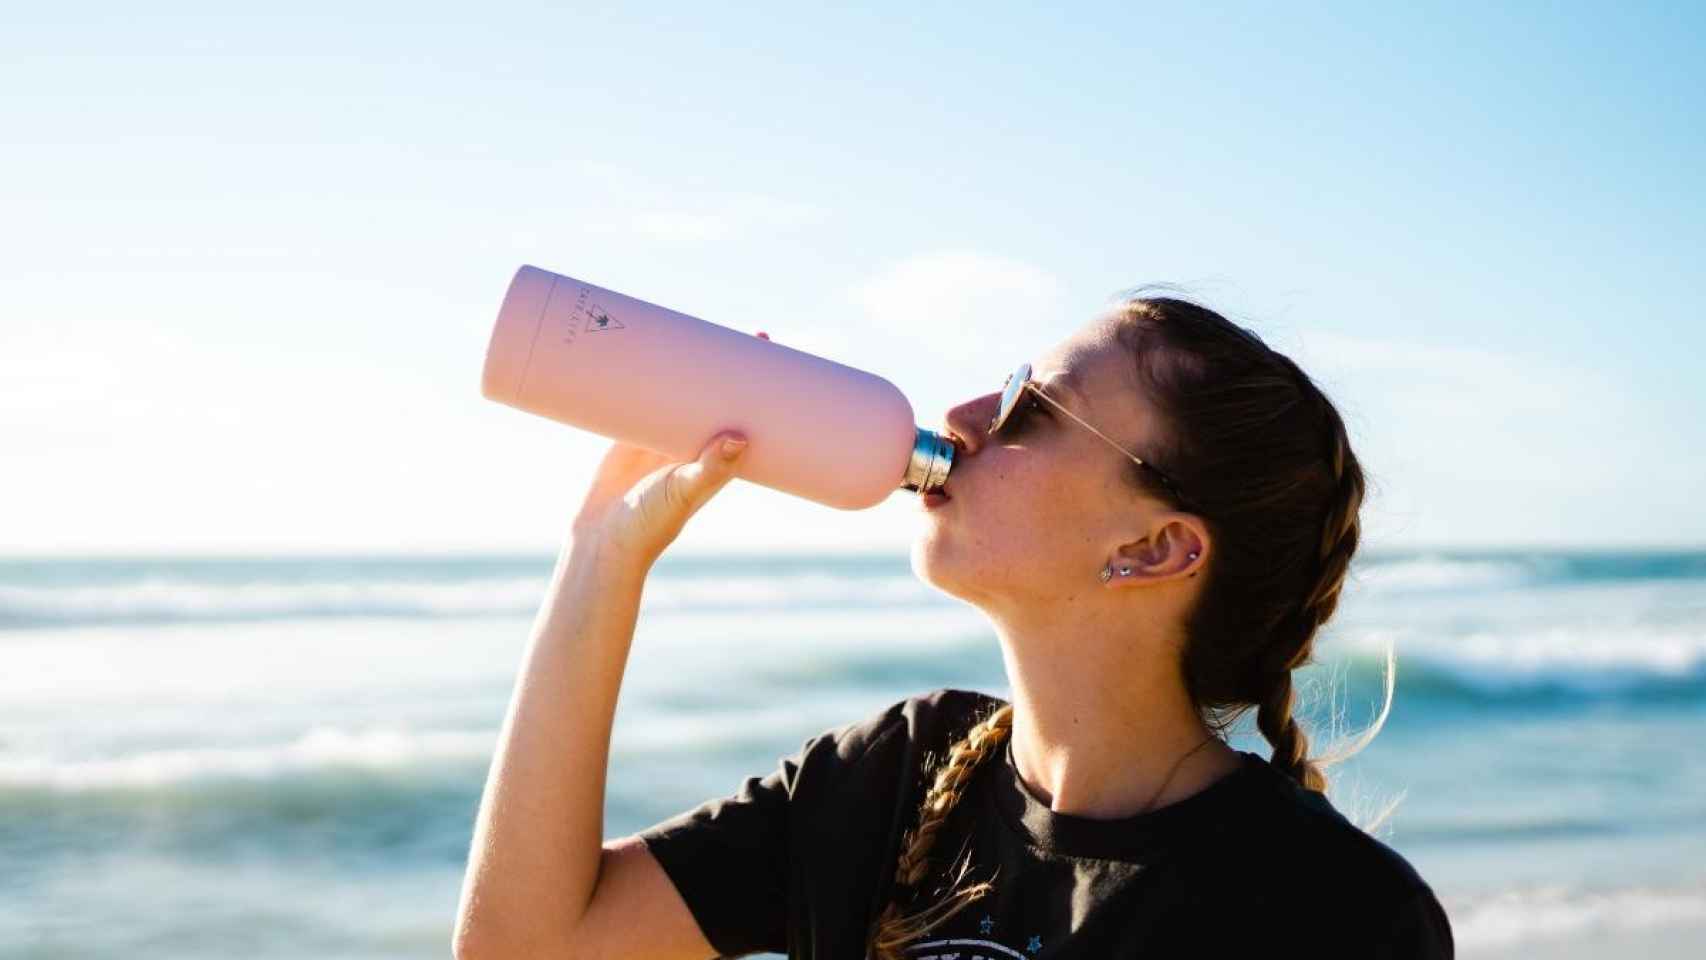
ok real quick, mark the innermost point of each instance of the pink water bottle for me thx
(643, 374)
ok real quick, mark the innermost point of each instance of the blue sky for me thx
(251, 260)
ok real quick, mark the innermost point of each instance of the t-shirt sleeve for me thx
(730, 857)
(1418, 930)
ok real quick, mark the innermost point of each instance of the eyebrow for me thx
(1066, 382)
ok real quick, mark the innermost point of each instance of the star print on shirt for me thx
(968, 948)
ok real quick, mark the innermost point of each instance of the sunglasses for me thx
(1019, 388)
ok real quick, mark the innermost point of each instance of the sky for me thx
(249, 261)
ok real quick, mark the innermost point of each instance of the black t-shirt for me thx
(800, 861)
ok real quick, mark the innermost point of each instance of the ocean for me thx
(201, 757)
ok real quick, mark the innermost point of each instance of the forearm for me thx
(538, 837)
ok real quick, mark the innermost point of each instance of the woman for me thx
(1156, 518)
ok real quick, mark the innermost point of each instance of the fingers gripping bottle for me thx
(647, 375)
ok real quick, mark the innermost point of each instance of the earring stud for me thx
(1125, 571)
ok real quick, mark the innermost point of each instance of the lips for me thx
(959, 454)
(941, 493)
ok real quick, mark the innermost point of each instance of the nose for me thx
(967, 424)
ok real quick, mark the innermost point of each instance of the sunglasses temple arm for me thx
(1087, 426)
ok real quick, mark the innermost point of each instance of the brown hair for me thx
(1262, 457)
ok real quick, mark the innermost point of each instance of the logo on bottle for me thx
(597, 319)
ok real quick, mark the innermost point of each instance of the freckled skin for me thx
(1035, 515)
(1100, 713)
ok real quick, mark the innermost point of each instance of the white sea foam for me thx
(306, 590)
(169, 598)
(166, 598)
(1583, 657)
(318, 749)
(1540, 914)
(325, 749)
(1445, 573)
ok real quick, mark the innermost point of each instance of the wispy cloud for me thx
(1471, 444)
(970, 312)
(725, 217)
(672, 212)
(1441, 378)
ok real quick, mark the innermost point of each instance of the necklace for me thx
(1169, 778)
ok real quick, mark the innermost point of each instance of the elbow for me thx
(462, 942)
(468, 943)
(464, 947)
(472, 940)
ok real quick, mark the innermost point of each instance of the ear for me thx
(1177, 546)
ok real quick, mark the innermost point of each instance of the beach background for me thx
(283, 757)
(268, 560)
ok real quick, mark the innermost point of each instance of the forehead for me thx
(1089, 370)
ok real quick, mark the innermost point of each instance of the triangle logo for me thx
(597, 319)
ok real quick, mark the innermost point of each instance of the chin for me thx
(933, 562)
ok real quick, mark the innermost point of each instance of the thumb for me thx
(696, 482)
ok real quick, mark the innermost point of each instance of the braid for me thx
(1291, 747)
(891, 929)
(1293, 639)
(1342, 529)
(1264, 454)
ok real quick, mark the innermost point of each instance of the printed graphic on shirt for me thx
(971, 948)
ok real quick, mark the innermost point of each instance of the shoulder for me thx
(884, 749)
(1306, 823)
(860, 778)
(1300, 846)
(917, 723)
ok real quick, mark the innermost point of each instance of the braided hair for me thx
(893, 928)
(1265, 461)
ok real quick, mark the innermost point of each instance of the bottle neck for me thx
(932, 458)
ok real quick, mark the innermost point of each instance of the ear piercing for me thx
(1125, 569)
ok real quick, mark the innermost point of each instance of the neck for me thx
(1100, 718)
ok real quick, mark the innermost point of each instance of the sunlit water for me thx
(284, 757)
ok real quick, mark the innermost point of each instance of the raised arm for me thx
(540, 881)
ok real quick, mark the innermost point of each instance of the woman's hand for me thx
(640, 500)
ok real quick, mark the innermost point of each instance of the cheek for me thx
(1025, 536)
(1039, 511)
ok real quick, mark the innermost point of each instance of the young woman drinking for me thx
(1156, 516)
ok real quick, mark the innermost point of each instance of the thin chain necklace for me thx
(1169, 779)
